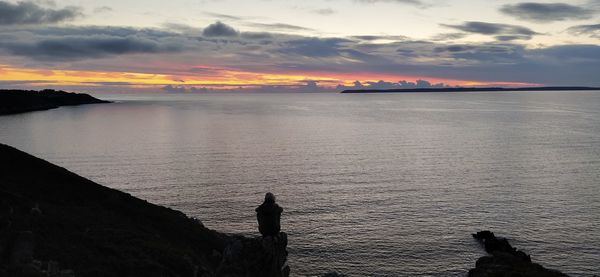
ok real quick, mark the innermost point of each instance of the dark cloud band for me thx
(503, 32)
(546, 12)
(592, 30)
(501, 61)
(22, 13)
(76, 43)
(219, 29)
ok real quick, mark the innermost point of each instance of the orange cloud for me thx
(219, 77)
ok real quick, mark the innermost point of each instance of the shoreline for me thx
(470, 89)
(43, 214)
(22, 101)
(57, 222)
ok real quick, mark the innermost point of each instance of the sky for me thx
(289, 45)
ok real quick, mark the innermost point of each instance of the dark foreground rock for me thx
(19, 101)
(506, 261)
(56, 223)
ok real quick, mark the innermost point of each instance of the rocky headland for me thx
(56, 223)
(20, 101)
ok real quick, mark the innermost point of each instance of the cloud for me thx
(586, 53)
(409, 2)
(325, 11)
(587, 30)
(24, 13)
(224, 30)
(19, 83)
(498, 53)
(224, 16)
(279, 27)
(455, 48)
(546, 12)
(503, 32)
(304, 86)
(183, 89)
(512, 37)
(448, 36)
(93, 47)
(379, 37)
(103, 9)
(393, 85)
(219, 29)
(248, 55)
(256, 35)
(74, 43)
(315, 47)
(182, 28)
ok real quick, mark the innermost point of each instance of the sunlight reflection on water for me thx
(384, 185)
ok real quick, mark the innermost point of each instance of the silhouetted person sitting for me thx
(268, 215)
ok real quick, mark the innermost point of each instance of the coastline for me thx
(467, 89)
(57, 220)
(21, 101)
(54, 220)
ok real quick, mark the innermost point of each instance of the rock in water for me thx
(506, 261)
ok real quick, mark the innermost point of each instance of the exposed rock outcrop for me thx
(506, 261)
(263, 256)
(19, 101)
(56, 223)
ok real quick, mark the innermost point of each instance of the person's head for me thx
(269, 198)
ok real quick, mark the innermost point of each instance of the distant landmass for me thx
(459, 89)
(20, 101)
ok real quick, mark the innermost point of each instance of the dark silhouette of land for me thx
(56, 223)
(20, 101)
(505, 260)
(54, 220)
(460, 89)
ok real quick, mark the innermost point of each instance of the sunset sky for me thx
(310, 45)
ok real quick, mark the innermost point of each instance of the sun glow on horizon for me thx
(225, 79)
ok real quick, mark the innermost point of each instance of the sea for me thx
(389, 184)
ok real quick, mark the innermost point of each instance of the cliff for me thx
(19, 101)
(56, 223)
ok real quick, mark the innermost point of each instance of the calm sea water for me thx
(372, 185)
